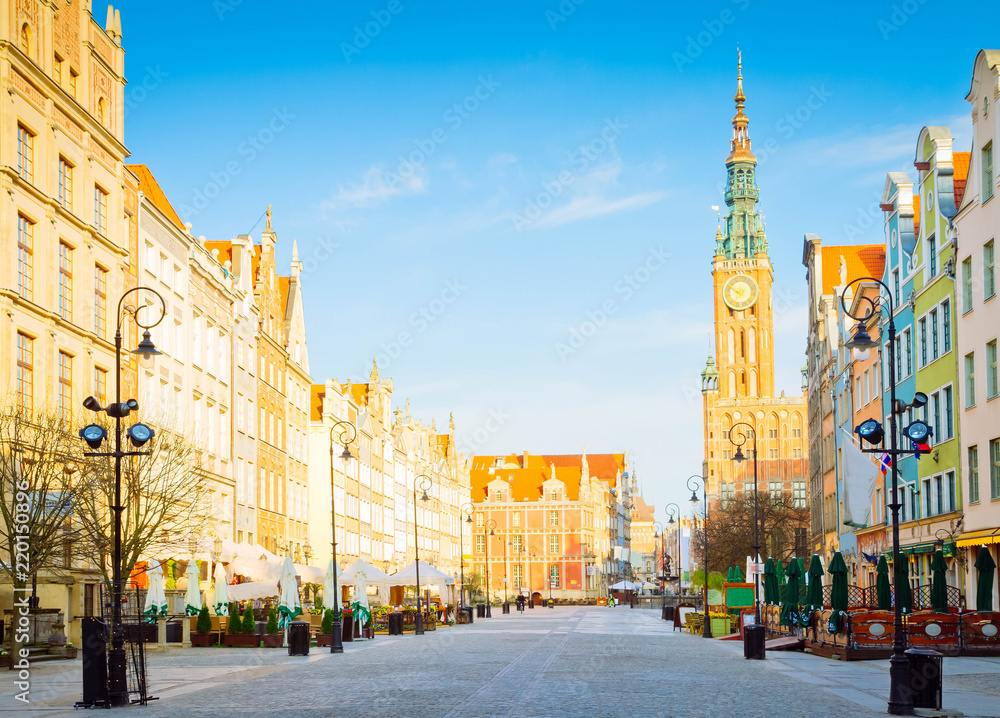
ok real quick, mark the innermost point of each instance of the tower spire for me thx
(740, 144)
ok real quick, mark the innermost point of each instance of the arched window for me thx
(101, 110)
(753, 383)
(26, 39)
(732, 384)
(743, 345)
(743, 383)
(752, 340)
(731, 351)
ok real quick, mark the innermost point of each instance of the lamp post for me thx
(739, 458)
(138, 434)
(489, 528)
(900, 701)
(346, 434)
(531, 599)
(674, 512)
(467, 509)
(422, 482)
(506, 602)
(706, 631)
(663, 568)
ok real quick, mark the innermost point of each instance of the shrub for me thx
(234, 613)
(272, 622)
(204, 622)
(249, 627)
(327, 625)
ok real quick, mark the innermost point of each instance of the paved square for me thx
(568, 661)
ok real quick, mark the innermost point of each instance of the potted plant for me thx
(272, 635)
(430, 621)
(202, 635)
(70, 650)
(368, 629)
(325, 636)
(241, 630)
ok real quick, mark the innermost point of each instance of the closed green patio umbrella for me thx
(780, 579)
(883, 591)
(790, 606)
(737, 574)
(838, 592)
(939, 586)
(906, 595)
(729, 575)
(814, 591)
(770, 582)
(986, 566)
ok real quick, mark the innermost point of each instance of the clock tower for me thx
(738, 383)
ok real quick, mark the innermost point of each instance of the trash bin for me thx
(506, 607)
(395, 623)
(924, 666)
(480, 610)
(668, 613)
(753, 642)
(347, 626)
(467, 610)
(298, 638)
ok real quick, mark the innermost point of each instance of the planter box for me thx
(201, 640)
(242, 640)
(368, 632)
(720, 627)
(430, 626)
(323, 640)
(273, 640)
(71, 652)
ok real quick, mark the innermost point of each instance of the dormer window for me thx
(498, 495)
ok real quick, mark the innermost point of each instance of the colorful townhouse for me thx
(977, 225)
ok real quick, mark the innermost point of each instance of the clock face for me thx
(740, 292)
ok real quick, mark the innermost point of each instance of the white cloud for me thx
(590, 206)
(376, 187)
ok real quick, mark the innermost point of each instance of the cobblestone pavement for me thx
(563, 662)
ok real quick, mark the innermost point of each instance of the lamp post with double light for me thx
(531, 598)
(663, 568)
(674, 517)
(345, 433)
(700, 482)
(739, 441)
(467, 509)
(138, 435)
(422, 482)
(489, 529)
(900, 700)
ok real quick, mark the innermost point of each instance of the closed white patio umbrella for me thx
(221, 591)
(192, 600)
(361, 588)
(156, 597)
(328, 590)
(289, 604)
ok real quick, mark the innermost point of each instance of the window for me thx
(774, 489)
(479, 520)
(480, 544)
(100, 210)
(932, 251)
(553, 518)
(989, 270)
(554, 544)
(73, 75)
(516, 518)
(25, 153)
(728, 493)
(967, 284)
(25, 257)
(946, 325)
(65, 183)
(952, 491)
(895, 281)
(934, 335)
(970, 379)
(100, 300)
(517, 543)
(936, 402)
(987, 171)
(65, 405)
(100, 384)
(928, 497)
(991, 369)
(949, 414)
(923, 341)
(498, 495)
(25, 372)
(65, 281)
(973, 474)
(995, 468)
(772, 453)
(553, 577)
(908, 344)
(518, 571)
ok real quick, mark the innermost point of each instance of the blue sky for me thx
(510, 203)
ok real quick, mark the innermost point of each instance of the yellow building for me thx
(738, 385)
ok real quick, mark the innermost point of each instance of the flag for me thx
(859, 476)
(869, 558)
(885, 462)
(918, 448)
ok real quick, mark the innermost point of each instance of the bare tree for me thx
(731, 529)
(39, 484)
(164, 499)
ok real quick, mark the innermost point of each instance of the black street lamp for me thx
(489, 528)
(346, 434)
(739, 458)
(422, 482)
(674, 514)
(900, 700)
(531, 598)
(467, 509)
(138, 435)
(663, 561)
(706, 631)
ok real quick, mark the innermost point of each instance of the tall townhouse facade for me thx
(542, 523)
(978, 228)
(373, 491)
(272, 480)
(189, 389)
(68, 225)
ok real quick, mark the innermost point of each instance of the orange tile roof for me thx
(316, 395)
(225, 251)
(961, 162)
(863, 260)
(283, 283)
(151, 188)
(533, 470)
(641, 511)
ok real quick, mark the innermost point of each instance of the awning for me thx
(979, 538)
(948, 549)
